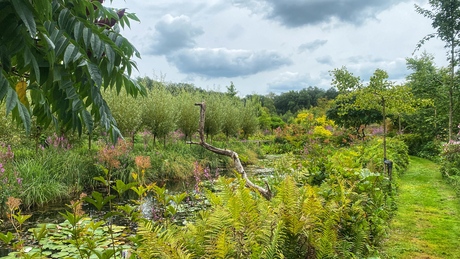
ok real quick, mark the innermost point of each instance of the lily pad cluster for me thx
(58, 242)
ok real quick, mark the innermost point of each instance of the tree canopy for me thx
(445, 17)
(56, 56)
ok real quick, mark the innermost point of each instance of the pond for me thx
(195, 201)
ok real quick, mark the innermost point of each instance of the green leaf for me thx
(97, 46)
(25, 116)
(11, 100)
(6, 238)
(4, 85)
(51, 45)
(95, 73)
(30, 58)
(98, 200)
(24, 10)
(69, 54)
(87, 36)
(88, 120)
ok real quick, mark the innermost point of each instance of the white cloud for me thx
(172, 34)
(287, 81)
(222, 62)
(311, 46)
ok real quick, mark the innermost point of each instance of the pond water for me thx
(51, 212)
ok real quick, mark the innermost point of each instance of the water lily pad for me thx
(61, 254)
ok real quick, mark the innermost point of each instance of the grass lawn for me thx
(427, 222)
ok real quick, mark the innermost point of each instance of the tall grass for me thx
(40, 185)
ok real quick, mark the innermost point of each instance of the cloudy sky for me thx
(265, 46)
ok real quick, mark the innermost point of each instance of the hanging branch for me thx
(265, 192)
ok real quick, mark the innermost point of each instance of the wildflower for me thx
(13, 203)
(206, 173)
(142, 162)
(77, 206)
(19, 180)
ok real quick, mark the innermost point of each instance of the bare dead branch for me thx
(265, 192)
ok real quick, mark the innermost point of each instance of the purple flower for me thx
(19, 180)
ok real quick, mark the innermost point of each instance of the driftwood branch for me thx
(265, 192)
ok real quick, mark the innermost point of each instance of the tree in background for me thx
(60, 54)
(249, 120)
(231, 90)
(231, 122)
(126, 110)
(355, 118)
(379, 94)
(445, 16)
(428, 82)
(188, 117)
(294, 101)
(214, 114)
(159, 112)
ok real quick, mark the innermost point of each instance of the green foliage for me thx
(450, 163)
(67, 51)
(306, 98)
(372, 155)
(126, 111)
(158, 112)
(230, 122)
(188, 117)
(40, 185)
(428, 82)
(249, 121)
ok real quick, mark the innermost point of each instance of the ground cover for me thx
(427, 221)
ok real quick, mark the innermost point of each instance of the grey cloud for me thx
(311, 46)
(296, 13)
(222, 62)
(396, 68)
(172, 34)
(290, 81)
(325, 60)
(365, 59)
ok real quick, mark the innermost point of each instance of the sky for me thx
(274, 46)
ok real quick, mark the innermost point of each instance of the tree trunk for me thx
(384, 130)
(265, 192)
(451, 88)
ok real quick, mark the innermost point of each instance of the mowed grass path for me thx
(427, 221)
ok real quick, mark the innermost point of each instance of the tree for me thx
(65, 52)
(187, 120)
(126, 110)
(159, 113)
(428, 82)
(231, 90)
(355, 118)
(379, 94)
(214, 115)
(445, 18)
(249, 120)
(230, 120)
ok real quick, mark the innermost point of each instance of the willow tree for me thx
(57, 55)
(379, 94)
(445, 16)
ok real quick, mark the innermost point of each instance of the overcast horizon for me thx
(265, 46)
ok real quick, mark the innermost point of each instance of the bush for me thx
(421, 146)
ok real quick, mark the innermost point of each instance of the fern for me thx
(273, 242)
(159, 242)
